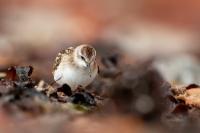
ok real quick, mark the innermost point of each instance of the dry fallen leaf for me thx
(191, 97)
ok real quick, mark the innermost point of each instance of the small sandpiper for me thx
(76, 67)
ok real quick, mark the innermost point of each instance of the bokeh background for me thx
(164, 34)
(33, 32)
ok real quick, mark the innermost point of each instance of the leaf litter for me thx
(137, 91)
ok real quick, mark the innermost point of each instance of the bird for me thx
(76, 67)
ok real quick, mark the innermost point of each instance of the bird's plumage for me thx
(64, 53)
(66, 69)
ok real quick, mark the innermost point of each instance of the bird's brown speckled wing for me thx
(60, 55)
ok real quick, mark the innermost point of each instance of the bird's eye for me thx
(82, 58)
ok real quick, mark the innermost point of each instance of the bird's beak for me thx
(88, 66)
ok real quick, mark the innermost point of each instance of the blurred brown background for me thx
(39, 29)
(165, 32)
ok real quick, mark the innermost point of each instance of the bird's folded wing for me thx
(57, 76)
(59, 57)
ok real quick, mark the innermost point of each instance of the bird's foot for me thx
(80, 89)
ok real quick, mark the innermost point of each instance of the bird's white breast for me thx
(73, 76)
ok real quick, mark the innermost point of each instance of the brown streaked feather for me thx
(60, 55)
(88, 51)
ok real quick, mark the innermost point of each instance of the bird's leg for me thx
(80, 89)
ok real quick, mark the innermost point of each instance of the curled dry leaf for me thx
(21, 73)
(192, 86)
(11, 73)
(191, 97)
